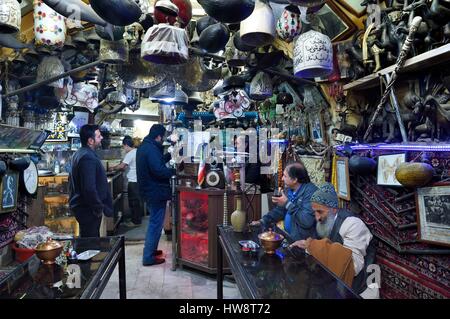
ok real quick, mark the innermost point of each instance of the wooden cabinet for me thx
(199, 213)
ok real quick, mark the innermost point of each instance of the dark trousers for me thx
(157, 212)
(89, 224)
(134, 202)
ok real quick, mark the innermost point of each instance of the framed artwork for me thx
(343, 178)
(387, 164)
(9, 191)
(58, 128)
(316, 127)
(353, 6)
(314, 167)
(433, 214)
(79, 119)
(333, 22)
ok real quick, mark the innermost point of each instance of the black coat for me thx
(88, 185)
(152, 174)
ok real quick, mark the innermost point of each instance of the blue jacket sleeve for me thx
(274, 216)
(88, 184)
(302, 209)
(158, 167)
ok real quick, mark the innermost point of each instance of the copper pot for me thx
(48, 251)
(270, 241)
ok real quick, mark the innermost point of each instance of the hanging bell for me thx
(10, 16)
(165, 44)
(113, 52)
(289, 25)
(50, 67)
(259, 28)
(313, 55)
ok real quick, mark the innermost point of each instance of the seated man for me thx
(344, 235)
(294, 206)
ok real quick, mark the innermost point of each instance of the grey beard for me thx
(324, 229)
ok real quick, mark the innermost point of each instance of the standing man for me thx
(294, 205)
(90, 197)
(154, 186)
(129, 162)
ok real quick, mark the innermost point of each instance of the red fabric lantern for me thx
(185, 14)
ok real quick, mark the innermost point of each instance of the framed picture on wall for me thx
(316, 127)
(353, 6)
(9, 191)
(433, 214)
(343, 178)
(332, 21)
(387, 164)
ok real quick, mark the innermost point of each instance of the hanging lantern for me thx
(49, 26)
(50, 67)
(165, 44)
(259, 28)
(313, 55)
(289, 25)
(114, 52)
(10, 16)
(261, 87)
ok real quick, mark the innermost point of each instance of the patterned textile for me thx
(409, 268)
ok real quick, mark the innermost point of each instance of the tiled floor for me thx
(161, 282)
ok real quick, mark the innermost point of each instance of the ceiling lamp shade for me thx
(229, 11)
(50, 67)
(117, 12)
(259, 28)
(214, 38)
(289, 25)
(140, 74)
(165, 44)
(10, 16)
(313, 55)
(49, 26)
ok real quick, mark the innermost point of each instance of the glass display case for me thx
(199, 213)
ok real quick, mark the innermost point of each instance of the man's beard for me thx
(324, 228)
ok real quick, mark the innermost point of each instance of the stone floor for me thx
(161, 282)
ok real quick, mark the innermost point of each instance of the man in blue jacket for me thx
(294, 205)
(90, 196)
(154, 186)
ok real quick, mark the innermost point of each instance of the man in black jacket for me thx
(154, 186)
(90, 197)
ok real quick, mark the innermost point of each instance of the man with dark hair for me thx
(294, 204)
(154, 186)
(129, 163)
(90, 196)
